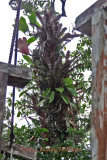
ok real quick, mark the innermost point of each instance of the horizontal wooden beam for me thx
(17, 76)
(83, 21)
(19, 151)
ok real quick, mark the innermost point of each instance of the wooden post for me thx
(3, 86)
(93, 22)
(13, 76)
(99, 62)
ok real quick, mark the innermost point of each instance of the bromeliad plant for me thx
(58, 87)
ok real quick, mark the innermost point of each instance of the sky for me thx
(7, 16)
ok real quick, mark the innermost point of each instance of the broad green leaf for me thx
(30, 40)
(23, 92)
(60, 89)
(38, 24)
(23, 25)
(41, 102)
(68, 81)
(46, 92)
(73, 104)
(18, 114)
(51, 97)
(32, 17)
(65, 98)
(72, 91)
(28, 59)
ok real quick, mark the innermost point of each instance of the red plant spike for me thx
(23, 46)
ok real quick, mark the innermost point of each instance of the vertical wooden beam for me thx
(3, 85)
(99, 87)
(93, 22)
(14, 76)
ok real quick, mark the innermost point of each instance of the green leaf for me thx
(38, 24)
(73, 104)
(41, 102)
(23, 92)
(60, 89)
(90, 102)
(68, 81)
(23, 25)
(28, 59)
(30, 40)
(51, 97)
(32, 17)
(46, 92)
(72, 91)
(23, 127)
(65, 98)
(81, 111)
(18, 114)
(46, 139)
(40, 130)
(44, 130)
(64, 48)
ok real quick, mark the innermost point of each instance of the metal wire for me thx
(15, 31)
(15, 63)
(14, 39)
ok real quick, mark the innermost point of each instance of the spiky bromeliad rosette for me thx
(55, 99)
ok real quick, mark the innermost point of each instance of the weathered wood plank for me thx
(96, 16)
(19, 151)
(99, 85)
(3, 86)
(17, 76)
(83, 21)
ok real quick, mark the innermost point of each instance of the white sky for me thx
(7, 16)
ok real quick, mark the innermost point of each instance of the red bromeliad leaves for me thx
(23, 46)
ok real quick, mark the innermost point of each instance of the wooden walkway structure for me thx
(19, 151)
(18, 77)
(93, 22)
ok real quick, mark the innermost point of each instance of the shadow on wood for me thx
(17, 76)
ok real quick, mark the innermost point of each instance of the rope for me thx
(15, 63)
(15, 36)
(16, 44)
